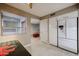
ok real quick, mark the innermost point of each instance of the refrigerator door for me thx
(71, 24)
(61, 28)
(71, 34)
(53, 31)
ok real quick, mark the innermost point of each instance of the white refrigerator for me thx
(67, 34)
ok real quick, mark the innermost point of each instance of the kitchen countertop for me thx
(19, 51)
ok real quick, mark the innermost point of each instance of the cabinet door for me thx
(44, 30)
(53, 31)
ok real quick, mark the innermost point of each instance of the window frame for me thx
(16, 33)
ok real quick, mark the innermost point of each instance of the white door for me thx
(44, 30)
(53, 31)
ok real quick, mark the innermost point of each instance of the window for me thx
(12, 25)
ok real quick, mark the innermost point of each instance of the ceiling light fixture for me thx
(30, 5)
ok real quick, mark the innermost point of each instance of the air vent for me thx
(52, 14)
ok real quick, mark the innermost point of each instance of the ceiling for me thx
(41, 9)
(35, 21)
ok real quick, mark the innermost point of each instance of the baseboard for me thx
(27, 45)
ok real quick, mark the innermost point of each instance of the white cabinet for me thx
(44, 30)
(53, 31)
(61, 31)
